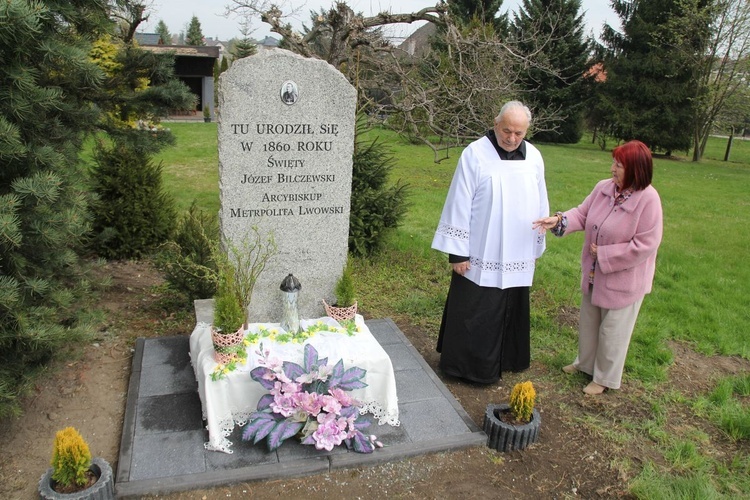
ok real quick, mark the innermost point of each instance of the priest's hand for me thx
(461, 267)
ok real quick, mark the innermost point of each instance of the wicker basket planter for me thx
(227, 344)
(340, 313)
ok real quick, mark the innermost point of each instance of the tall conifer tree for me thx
(194, 33)
(651, 85)
(61, 80)
(244, 46)
(46, 80)
(165, 38)
(132, 215)
(484, 11)
(566, 53)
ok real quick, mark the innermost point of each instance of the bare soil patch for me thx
(573, 458)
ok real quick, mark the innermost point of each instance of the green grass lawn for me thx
(700, 290)
(191, 168)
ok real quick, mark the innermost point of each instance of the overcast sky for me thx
(177, 14)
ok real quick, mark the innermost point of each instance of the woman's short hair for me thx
(636, 158)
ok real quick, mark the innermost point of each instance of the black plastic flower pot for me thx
(503, 436)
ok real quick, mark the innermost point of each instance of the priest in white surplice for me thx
(497, 191)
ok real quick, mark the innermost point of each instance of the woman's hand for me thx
(545, 223)
(592, 250)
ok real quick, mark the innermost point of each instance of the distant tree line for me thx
(193, 35)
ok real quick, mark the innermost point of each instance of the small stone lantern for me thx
(290, 319)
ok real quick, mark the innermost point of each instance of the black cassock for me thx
(484, 331)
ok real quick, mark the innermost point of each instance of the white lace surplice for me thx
(488, 214)
(230, 401)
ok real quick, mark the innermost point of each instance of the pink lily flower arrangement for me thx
(309, 400)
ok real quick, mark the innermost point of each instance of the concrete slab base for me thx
(163, 434)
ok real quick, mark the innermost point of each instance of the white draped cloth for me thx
(231, 400)
(488, 213)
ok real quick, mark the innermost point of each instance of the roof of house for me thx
(212, 42)
(597, 72)
(418, 43)
(148, 38)
(184, 50)
(269, 41)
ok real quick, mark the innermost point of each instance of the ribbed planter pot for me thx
(503, 436)
(103, 489)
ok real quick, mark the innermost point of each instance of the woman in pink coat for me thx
(622, 221)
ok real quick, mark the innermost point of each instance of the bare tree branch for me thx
(130, 15)
(442, 100)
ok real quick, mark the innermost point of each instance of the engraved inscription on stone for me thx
(286, 139)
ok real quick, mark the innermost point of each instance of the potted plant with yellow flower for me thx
(74, 474)
(513, 426)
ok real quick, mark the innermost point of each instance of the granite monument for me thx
(286, 138)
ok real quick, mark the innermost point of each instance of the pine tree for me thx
(133, 212)
(245, 46)
(165, 38)
(651, 85)
(63, 78)
(376, 205)
(473, 15)
(194, 35)
(485, 11)
(566, 54)
(46, 80)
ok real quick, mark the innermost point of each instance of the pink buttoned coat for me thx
(627, 237)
